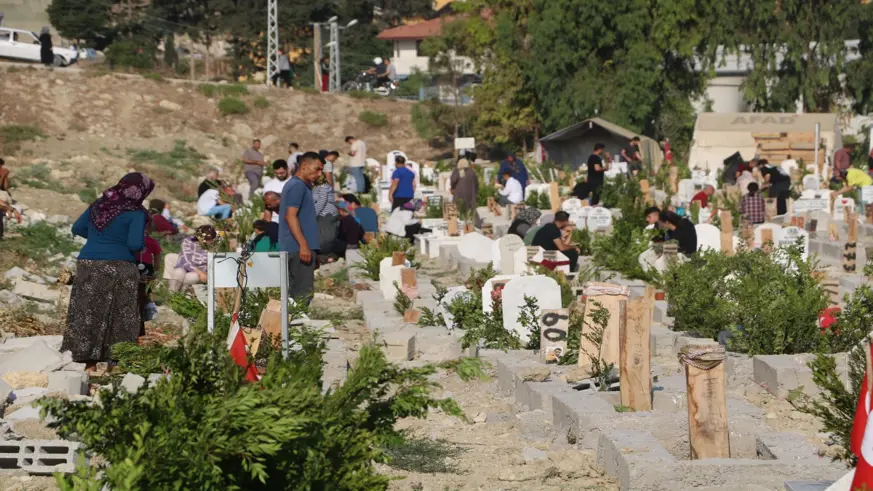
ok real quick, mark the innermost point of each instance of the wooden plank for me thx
(554, 196)
(635, 358)
(271, 319)
(453, 227)
(767, 136)
(554, 326)
(609, 350)
(770, 208)
(767, 239)
(398, 258)
(770, 146)
(707, 413)
(727, 233)
(804, 146)
(674, 179)
(851, 249)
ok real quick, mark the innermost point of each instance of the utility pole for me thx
(272, 39)
(335, 83)
(316, 54)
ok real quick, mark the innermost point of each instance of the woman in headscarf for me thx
(465, 185)
(524, 221)
(103, 304)
(192, 265)
(46, 55)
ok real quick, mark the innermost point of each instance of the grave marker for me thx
(770, 209)
(850, 255)
(452, 227)
(708, 433)
(599, 219)
(451, 294)
(635, 365)
(708, 237)
(841, 207)
(554, 326)
(476, 246)
(398, 258)
(646, 190)
(506, 249)
(674, 176)
(495, 284)
(609, 349)
(554, 196)
(727, 232)
(545, 290)
(789, 236)
(388, 276)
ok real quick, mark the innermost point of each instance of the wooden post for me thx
(833, 231)
(727, 233)
(554, 325)
(554, 196)
(635, 363)
(398, 258)
(369, 237)
(707, 405)
(452, 227)
(674, 179)
(770, 209)
(851, 251)
(646, 190)
(767, 239)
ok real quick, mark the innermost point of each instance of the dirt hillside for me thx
(98, 126)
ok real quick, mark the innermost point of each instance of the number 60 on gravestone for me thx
(554, 325)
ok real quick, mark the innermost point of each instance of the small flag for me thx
(238, 346)
(862, 435)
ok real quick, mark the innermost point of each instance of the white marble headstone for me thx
(428, 173)
(546, 218)
(698, 176)
(708, 237)
(687, 189)
(810, 182)
(839, 207)
(388, 275)
(704, 215)
(545, 290)
(571, 205)
(498, 281)
(523, 258)
(790, 235)
(476, 246)
(504, 256)
(599, 219)
(435, 243)
(488, 174)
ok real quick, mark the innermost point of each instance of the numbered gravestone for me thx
(599, 219)
(571, 205)
(543, 289)
(554, 326)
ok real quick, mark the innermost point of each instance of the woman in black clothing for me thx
(780, 185)
(45, 51)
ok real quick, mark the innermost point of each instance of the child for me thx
(266, 238)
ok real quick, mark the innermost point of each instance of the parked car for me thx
(21, 45)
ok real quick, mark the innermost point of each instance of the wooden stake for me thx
(674, 179)
(398, 258)
(635, 358)
(412, 316)
(646, 190)
(833, 231)
(767, 239)
(770, 209)
(707, 413)
(609, 349)
(554, 196)
(452, 227)
(727, 233)
(851, 249)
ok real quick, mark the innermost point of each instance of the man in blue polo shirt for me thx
(402, 184)
(298, 228)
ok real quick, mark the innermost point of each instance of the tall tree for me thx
(798, 51)
(85, 21)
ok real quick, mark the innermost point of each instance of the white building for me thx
(407, 41)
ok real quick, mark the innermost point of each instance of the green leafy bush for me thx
(204, 426)
(261, 102)
(432, 317)
(767, 307)
(232, 105)
(582, 238)
(363, 94)
(544, 202)
(131, 53)
(226, 90)
(532, 199)
(17, 133)
(40, 241)
(402, 302)
(385, 246)
(373, 118)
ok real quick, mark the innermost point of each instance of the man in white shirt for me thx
(511, 193)
(209, 205)
(358, 154)
(276, 185)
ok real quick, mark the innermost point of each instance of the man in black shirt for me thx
(780, 185)
(596, 168)
(633, 157)
(551, 238)
(681, 230)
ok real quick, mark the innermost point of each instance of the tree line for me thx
(547, 64)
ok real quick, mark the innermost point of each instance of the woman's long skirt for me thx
(103, 309)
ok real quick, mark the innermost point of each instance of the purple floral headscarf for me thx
(127, 195)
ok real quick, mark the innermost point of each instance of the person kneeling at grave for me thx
(681, 230)
(555, 236)
(853, 180)
(402, 221)
(524, 221)
(350, 234)
(512, 192)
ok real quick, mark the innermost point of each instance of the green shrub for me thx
(467, 368)
(402, 302)
(363, 94)
(533, 199)
(232, 105)
(204, 426)
(131, 53)
(544, 202)
(40, 241)
(767, 307)
(17, 133)
(157, 77)
(385, 247)
(373, 118)
(308, 90)
(261, 102)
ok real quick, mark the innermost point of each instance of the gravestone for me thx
(790, 236)
(416, 169)
(704, 215)
(523, 257)
(498, 283)
(708, 237)
(389, 166)
(504, 257)
(811, 182)
(599, 219)
(552, 257)
(427, 172)
(444, 181)
(451, 294)
(698, 176)
(388, 275)
(774, 230)
(867, 195)
(488, 174)
(687, 189)
(476, 246)
(554, 326)
(840, 205)
(580, 216)
(571, 205)
(545, 290)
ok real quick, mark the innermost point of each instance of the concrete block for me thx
(17, 344)
(23, 413)
(14, 273)
(38, 357)
(10, 299)
(785, 446)
(780, 374)
(72, 383)
(398, 346)
(660, 313)
(583, 415)
(663, 340)
(364, 297)
(636, 458)
(807, 485)
(539, 395)
(40, 456)
(35, 291)
(132, 382)
(5, 392)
